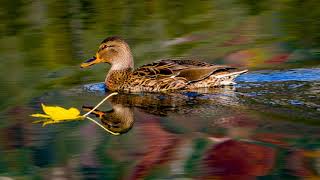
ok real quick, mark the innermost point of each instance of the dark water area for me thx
(267, 126)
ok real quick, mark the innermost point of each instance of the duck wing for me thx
(191, 70)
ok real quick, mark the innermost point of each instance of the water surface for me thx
(265, 127)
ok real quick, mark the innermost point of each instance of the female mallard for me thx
(159, 76)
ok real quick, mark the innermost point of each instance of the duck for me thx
(164, 75)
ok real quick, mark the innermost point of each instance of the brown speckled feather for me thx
(191, 70)
(166, 75)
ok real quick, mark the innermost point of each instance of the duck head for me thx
(114, 51)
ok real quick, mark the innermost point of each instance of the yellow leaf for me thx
(40, 115)
(57, 114)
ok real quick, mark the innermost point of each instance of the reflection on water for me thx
(262, 128)
(267, 126)
(118, 120)
(242, 132)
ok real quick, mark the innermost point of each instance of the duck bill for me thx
(90, 62)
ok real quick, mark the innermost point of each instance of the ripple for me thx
(95, 87)
(312, 74)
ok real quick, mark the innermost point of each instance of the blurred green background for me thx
(43, 43)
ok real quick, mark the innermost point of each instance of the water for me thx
(265, 127)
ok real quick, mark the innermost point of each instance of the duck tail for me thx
(228, 78)
(231, 74)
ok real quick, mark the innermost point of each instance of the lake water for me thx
(267, 126)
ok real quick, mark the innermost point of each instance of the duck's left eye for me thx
(106, 46)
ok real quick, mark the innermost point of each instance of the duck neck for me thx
(124, 61)
(120, 71)
(116, 79)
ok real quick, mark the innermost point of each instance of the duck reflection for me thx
(118, 120)
(121, 117)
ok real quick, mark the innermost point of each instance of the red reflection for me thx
(297, 164)
(278, 59)
(274, 138)
(160, 147)
(242, 160)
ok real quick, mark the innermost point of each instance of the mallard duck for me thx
(159, 76)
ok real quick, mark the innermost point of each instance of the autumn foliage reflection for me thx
(236, 159)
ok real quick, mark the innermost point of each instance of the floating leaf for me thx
(56, 114)
(40, 115)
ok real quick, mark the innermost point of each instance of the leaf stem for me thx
(99, 104)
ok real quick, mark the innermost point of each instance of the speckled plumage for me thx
(159, 76)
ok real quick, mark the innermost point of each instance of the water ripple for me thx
(312, 74)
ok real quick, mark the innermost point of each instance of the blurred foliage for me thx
(300, 22)
(42, 37)
(43, 43)
(192, 166)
